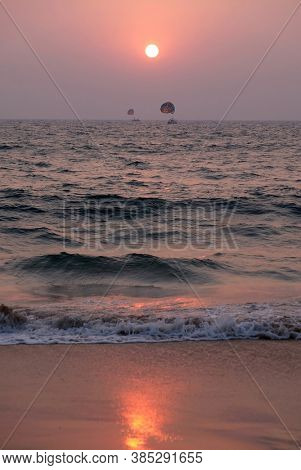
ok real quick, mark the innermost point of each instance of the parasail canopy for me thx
(168, 108)
(131, 112)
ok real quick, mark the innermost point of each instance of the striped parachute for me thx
(168, 108)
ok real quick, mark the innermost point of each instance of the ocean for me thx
(115, 232)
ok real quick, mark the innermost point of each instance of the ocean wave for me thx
(253, 206)
(143, 268)
(116, 205)
(139, 266)
(138, 164)
(7, 147)
(22, 208)
(257, 231)
(15, 193)
(37, 233)
(124, 324)
(293, 208)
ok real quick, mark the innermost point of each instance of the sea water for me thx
(140, 231)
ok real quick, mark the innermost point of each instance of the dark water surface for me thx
(122, 231)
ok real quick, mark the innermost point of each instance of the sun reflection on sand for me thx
(144, 418)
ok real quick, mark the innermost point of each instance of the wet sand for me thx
(153, 396)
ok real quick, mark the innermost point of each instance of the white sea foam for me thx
(121, 322)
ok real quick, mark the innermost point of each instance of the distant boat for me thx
(169, 108)
(131, 112)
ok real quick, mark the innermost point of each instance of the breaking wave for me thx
(145, 268)
(120, 323)
(139, 266)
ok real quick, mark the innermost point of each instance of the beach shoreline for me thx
(186, 395)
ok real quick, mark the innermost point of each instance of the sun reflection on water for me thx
(168, 304)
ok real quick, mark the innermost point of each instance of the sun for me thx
(152, 51)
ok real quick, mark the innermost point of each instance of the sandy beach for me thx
(205, 395)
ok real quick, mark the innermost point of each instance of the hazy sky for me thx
(94, 49)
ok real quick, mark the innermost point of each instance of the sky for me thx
(94, 51)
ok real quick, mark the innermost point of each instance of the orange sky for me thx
(95, 51)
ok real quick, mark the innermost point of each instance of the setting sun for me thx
(152, 51)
